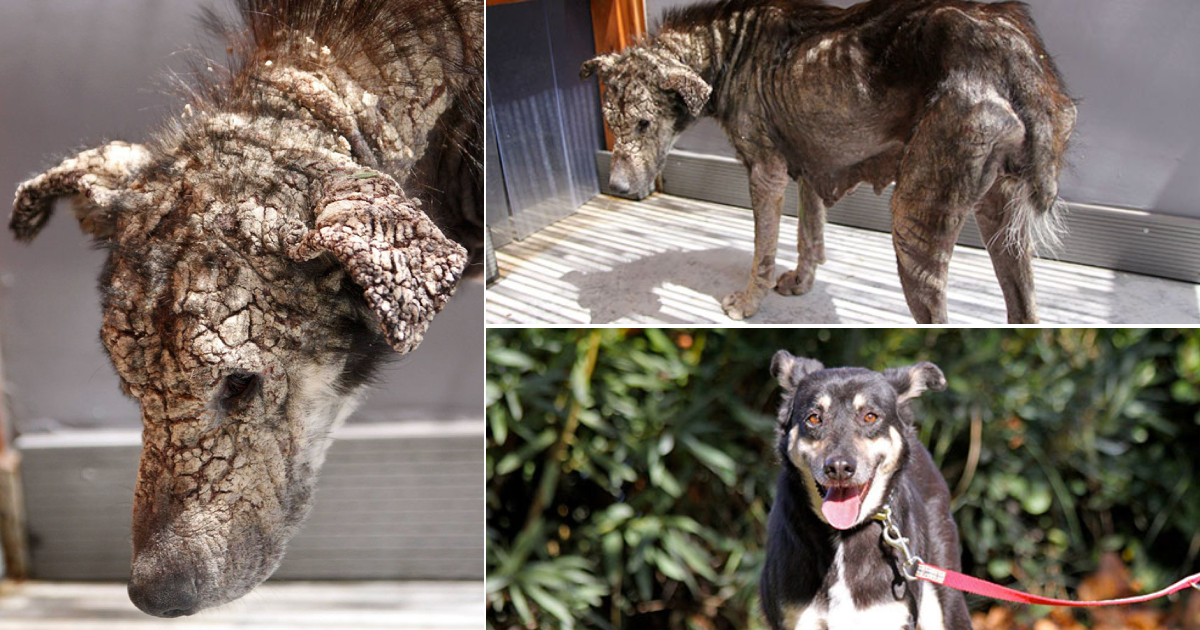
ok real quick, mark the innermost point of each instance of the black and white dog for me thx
(848, 448)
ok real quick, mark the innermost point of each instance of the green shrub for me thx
(630, 472)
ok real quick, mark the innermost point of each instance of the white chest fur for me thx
(842, 614)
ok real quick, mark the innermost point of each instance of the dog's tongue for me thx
(841, 506)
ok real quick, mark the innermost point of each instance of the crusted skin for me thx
(97, 176)
(290, 224)
(955, 102)
(385, 241)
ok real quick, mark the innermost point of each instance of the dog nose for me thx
(619, 184)
(839, 468)
(169, 595)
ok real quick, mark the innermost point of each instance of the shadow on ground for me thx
(680, 287)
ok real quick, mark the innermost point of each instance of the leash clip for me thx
(891, 535)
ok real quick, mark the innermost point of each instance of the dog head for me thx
(845, 431)
(648, 101)
(245, 303)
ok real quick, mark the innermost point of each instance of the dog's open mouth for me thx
(842, 504)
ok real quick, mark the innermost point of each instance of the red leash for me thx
(968, 584)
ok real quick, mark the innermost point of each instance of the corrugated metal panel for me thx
(547, 121)
(524, 107)
(491, 268)
(572, 43)
(1112, 238)
(393, 502)
(499, 223)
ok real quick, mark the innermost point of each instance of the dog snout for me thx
(163, 594)
(619, 182)
(162, 581)
(839, 468)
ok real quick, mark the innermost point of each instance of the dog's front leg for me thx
(810, 244)
(768, 181)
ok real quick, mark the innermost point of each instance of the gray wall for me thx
(74, 73)
(1135, 66)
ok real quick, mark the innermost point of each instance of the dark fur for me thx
(799, 568)
(956, 102)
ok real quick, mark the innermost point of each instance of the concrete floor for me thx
(669, 260)
(275, 605)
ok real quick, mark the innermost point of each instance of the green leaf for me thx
(491, 392)
(551, 605)
(514, 460)
(507, 357)
(1037, 500)
(692, 555)
(713, 459)
(521, 604)
(999, 568)
(514, 404)
(668, 565)
(612, 517)
(499, 426)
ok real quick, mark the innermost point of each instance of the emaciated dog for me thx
(955, 102)
(848, 448)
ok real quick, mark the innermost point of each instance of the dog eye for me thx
(643, 125)
(237, 386)
(813, 419)
(870, 417)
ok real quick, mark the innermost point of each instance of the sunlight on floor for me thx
(670, 260)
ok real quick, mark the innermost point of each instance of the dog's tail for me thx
(1033, 217)
(1039, 97)
(1035, 211)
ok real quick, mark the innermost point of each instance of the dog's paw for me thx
(795, 283)
(740, 305)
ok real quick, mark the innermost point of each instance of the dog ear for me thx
(911, 381)
(94, 178)
(406, 267)
(789, 370)
(599, 64)
(685, 82)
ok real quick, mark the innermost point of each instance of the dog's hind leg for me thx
(810, 244)
(768, 181)
(1013, 262)
(923, 235)
(952, 161)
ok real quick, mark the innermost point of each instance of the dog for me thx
(956, 102)
(848, 447)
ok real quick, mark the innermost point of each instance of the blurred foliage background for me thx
(630, 472)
